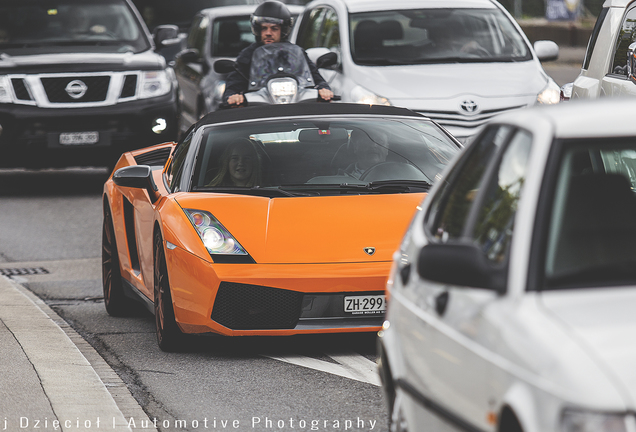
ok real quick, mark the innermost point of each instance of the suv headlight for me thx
(282, 90)
(363, 96)
(5, 89)
(551, 94)
(216, 239)
(154, 84)
(590, 421)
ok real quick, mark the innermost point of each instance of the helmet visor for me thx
(258, 20)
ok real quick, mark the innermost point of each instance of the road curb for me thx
(79, 385)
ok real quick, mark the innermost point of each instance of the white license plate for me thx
(79, 138)
(365, 304)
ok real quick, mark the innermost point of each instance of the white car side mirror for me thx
(546, 50)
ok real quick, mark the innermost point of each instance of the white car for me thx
(459, 62)
(511, 299)
(606, 70)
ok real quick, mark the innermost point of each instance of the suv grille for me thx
(254, 307)
(130, 86)
(96, 88)
(74, 90)
(469, 122)
(19, 87)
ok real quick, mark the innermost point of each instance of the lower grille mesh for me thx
(254, 307)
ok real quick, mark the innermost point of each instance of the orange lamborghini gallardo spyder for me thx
(274, 220)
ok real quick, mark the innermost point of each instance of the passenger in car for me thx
(368, 150)
(240, 165)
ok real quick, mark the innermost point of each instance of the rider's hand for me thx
(325, 94)
(236, 99)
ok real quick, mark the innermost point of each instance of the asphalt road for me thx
(51, 221)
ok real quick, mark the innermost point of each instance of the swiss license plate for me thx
(365, 305)
(79, 138)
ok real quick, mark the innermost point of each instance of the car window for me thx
(331, 30)
(230, 35)
(310, 30)
(325, 157)
(495, 213)
(592, 233)
(593, 37)
(626, 37)
(196, 36)
(175, 170)
(448, 213)
(419, 36)
(69, 26)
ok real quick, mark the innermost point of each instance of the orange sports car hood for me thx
(330, 229)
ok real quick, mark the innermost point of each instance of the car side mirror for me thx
(137, 176)
(546, 50)
(190, 55)
(460, 264)
(327, 60)
(223, 66)
(166, 35)
(631, 62)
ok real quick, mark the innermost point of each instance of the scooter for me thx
(279, 74)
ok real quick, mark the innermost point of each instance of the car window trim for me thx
(593, 38)
(487, 179)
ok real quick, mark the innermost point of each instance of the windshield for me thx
(592, 235)
(322, 157)
(34, 27)
(281, 59)
(230, 35)
(435, 36)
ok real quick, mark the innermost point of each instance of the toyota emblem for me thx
(469, 106)
(76, 89)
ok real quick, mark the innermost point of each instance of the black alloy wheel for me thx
(116, 302)
(169, 336)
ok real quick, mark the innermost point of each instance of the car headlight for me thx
(551, 94)
(154, 83)
(5, 89)
(590, 421)
(282, 90)
(216, 239)
(219, 89)
(363, 96)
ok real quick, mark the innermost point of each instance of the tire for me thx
(397, 420)
(116, 302)
(169, 336)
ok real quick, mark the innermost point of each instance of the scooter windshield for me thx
(282, 59)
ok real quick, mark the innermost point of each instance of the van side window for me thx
(626, 37)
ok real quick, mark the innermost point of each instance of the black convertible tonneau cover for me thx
(302, 109)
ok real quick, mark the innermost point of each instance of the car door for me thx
(190, 70)
(477, 208)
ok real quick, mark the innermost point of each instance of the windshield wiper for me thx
(270, 192)
(381, 62)
(389, 186)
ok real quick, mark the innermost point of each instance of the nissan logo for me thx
(76, 89)
(469, 106)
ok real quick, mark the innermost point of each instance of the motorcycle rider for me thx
(271, 23)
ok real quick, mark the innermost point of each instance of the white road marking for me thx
(353, 366)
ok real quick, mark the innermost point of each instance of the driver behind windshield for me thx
(271, 23)
(368, 151)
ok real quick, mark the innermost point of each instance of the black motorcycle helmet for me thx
(271, 12)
